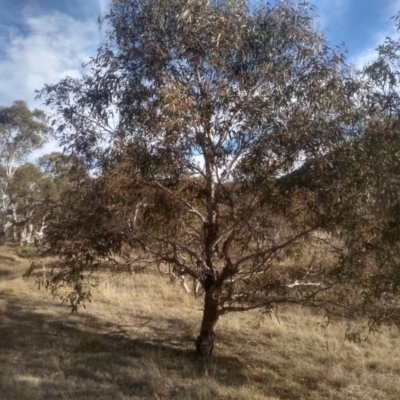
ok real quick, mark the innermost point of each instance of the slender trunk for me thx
(14, 220)
(205, 341)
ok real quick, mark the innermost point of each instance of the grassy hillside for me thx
(135, 341)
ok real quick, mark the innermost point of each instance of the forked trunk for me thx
(205, 341)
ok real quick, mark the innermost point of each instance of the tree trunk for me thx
(205, 341)
(14, 220)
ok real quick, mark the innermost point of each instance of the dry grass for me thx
(136, 342)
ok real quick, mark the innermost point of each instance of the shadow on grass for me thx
(46, 354)
(5, 273)
(8, 267)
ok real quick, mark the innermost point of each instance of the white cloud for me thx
(330, 12)
(103, 5)
(370, 54)
(394, 7)
(54, 48)
(335, 13)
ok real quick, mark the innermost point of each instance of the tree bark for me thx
(14, 220)
(205, 341)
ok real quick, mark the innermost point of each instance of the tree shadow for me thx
(46, 353)
(5, 273)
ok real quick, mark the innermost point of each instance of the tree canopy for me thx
(233, 144)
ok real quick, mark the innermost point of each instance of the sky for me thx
(43, 41)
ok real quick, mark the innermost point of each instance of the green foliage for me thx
(21, 132)
(27, 252)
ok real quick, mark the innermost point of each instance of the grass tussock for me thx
(136, 341)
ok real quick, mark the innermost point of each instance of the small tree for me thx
(21, 132)
(242, 157)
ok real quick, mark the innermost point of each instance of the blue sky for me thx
(361, 24)
(42, 41)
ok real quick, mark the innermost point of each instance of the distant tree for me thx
(31, 191)
(246, 154)
(21, 132)
(62, 168)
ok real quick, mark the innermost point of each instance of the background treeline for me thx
(29, 189)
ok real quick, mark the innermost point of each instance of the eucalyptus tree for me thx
(240, 155)
(61, 168)
(21, 132)
(32, 191)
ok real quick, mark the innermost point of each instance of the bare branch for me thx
(181, 200)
